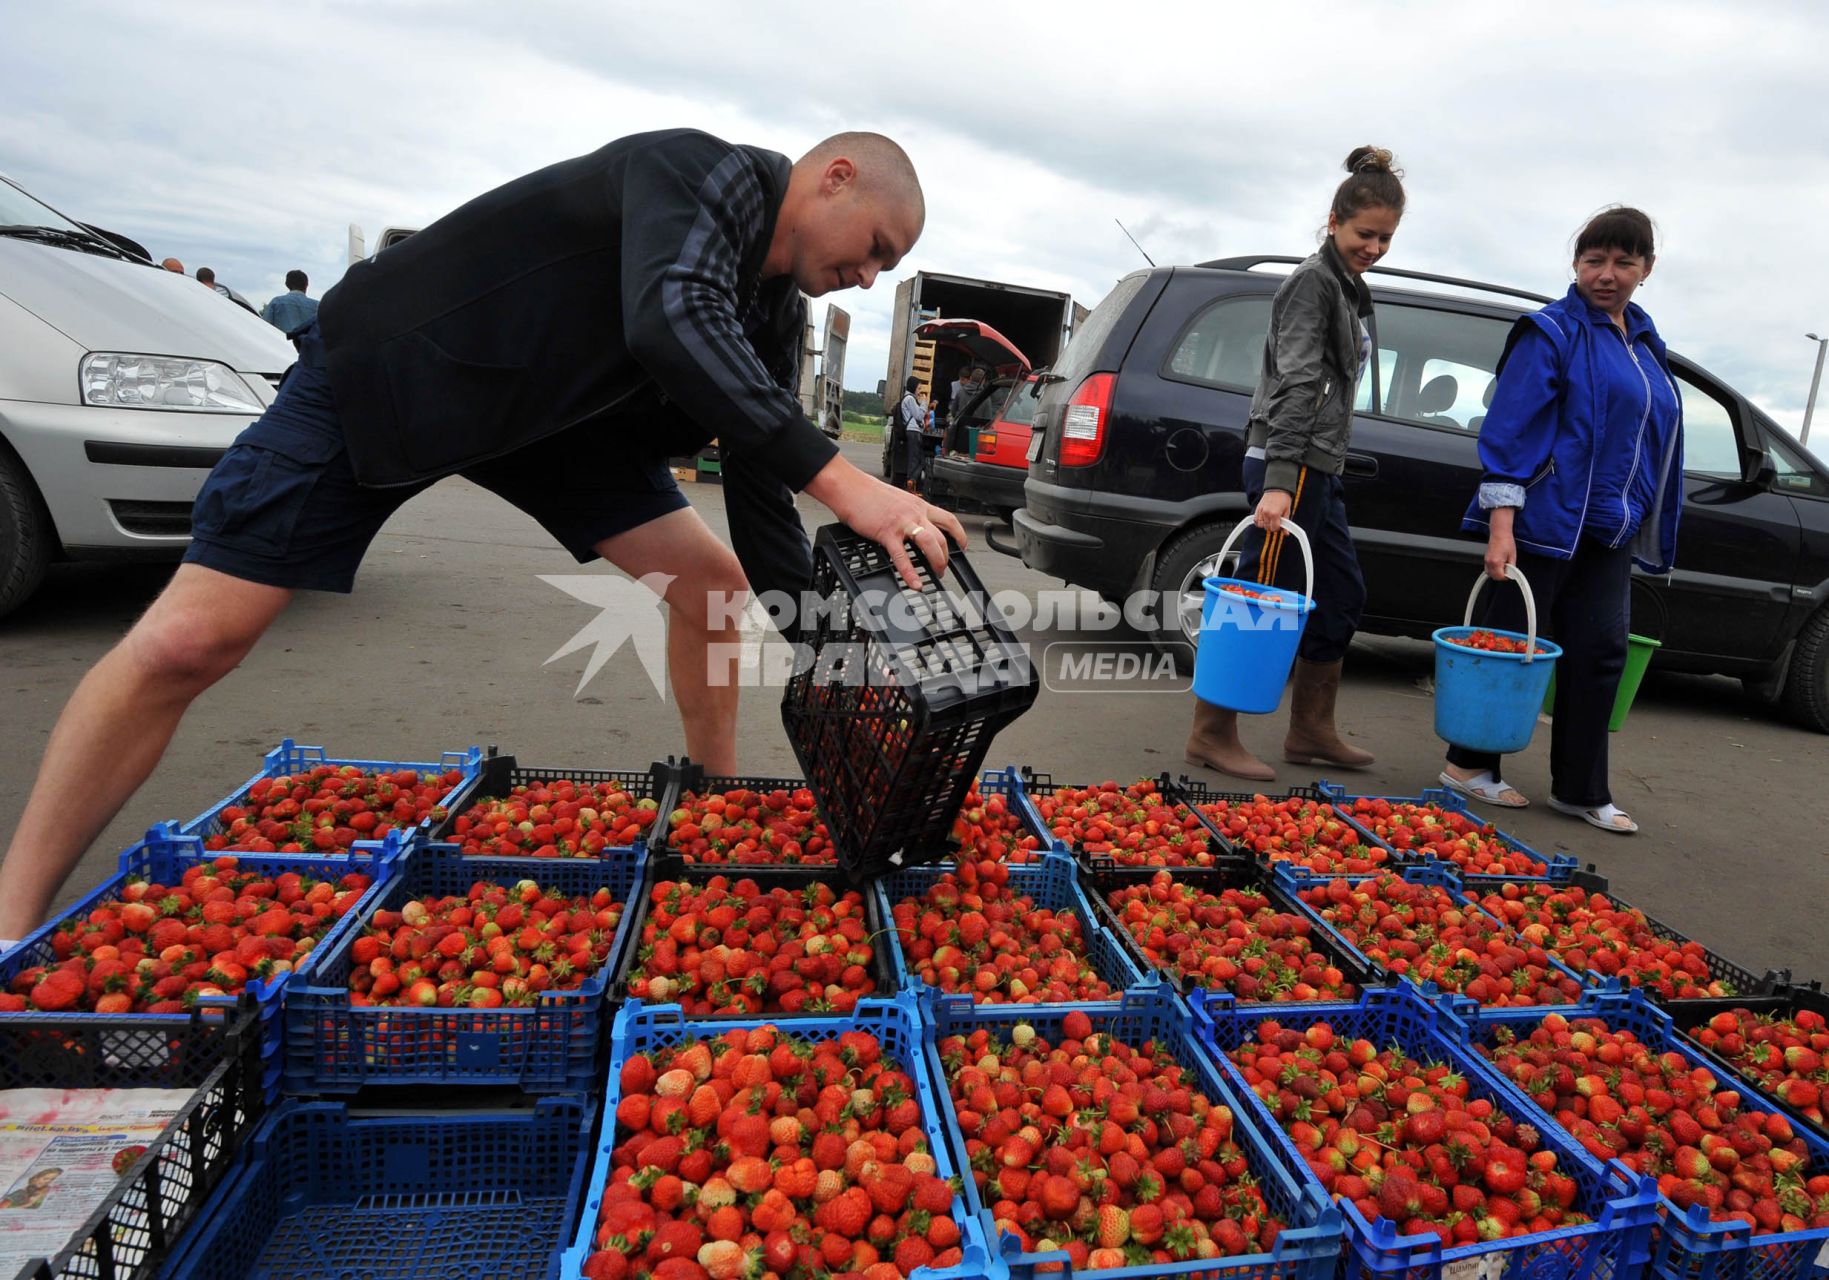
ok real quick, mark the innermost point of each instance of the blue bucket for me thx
(1486, 701)
(1247, 645)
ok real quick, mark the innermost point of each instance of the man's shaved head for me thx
(884, 170)
(852, 209)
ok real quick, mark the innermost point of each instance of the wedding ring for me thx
(914, 531)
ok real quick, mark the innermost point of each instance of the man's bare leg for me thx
(705, 573)
(118, 722)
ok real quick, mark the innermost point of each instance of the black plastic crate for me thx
(1037, 786)
(664, 867)
(136, 1226)
(500, 775)
(1777, 1000)
(896, 697)
(1743, 980)
(1102, 877)
(1197, 793)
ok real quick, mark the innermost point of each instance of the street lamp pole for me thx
(1815, 381)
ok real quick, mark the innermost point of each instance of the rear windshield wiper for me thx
(66, 238)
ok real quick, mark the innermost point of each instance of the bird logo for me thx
(628, 611)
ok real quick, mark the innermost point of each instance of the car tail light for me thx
(1083, 425)
(987, 445)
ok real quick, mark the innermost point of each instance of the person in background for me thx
(173, 265)
(1295, 447)
(293, 309)
(208, 277)
(1582, 452)
(910, 414)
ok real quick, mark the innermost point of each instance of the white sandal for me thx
(1486, 789)
(1605, 816)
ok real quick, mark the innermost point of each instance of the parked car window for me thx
(1795, 474)
(1224, 345)
(1711, 445)
(1020, 407)
(1387, 365)
(1440, 364)
(1077, 360)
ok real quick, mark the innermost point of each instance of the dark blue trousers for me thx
(1584, 605)
(1320, 508)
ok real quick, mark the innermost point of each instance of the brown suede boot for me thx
(1313, 739)
(1213, 744)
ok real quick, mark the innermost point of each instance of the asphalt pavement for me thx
(446, 640)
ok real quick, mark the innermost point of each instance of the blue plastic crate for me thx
(1035, 784)
(145, 1042)
(1430, 872)
(498, 776)
(1052, 884)
(334, 1047)
(1559, 868)
(1308, 1247)
(1687, 1245)
(319, 1193)
(642, 1028)
(289, 758)
(1614, 1246)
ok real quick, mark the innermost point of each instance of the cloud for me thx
(248, 137)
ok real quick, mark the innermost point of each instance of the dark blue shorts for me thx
(283, 507)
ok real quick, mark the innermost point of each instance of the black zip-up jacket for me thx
(1302, 411)
(621, 287)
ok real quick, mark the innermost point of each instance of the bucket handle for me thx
(1308, 558)
(1516, 574)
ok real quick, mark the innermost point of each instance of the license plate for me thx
(1035, 446)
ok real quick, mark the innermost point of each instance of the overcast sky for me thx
(247, 137)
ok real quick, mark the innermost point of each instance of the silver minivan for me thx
(120, 385)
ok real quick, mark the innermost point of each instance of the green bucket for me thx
(1638, 657)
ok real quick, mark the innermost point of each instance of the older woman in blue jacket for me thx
(1583, 458)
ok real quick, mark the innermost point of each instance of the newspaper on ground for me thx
(61, 1152)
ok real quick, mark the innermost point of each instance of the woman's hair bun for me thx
(1371, 160)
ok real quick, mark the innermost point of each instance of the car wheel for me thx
(1806, 695)
(26, 539)
(1185, 562)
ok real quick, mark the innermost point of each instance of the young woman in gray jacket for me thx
(1301, 418)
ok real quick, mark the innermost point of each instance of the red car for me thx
(986, 457)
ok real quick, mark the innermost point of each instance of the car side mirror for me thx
(1761, 471)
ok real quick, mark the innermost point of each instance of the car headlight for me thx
(119, 380)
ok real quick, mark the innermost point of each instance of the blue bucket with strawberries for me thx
(1249, 633)
(1489, 683)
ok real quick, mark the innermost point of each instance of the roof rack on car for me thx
(1258, 259)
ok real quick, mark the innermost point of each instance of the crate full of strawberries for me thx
(303, 801)
(753, 1148)
(1104, 1136)
(1777, 1040)
(1145, 823)
(1301, 827)
(516, 811)
(1416, 926)
(465, 970)
(1437, 825)
(1227, 928)
(167, 947)
(1742, 1189)
(778, 941)
(1017, 934)
(1438, 1165)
